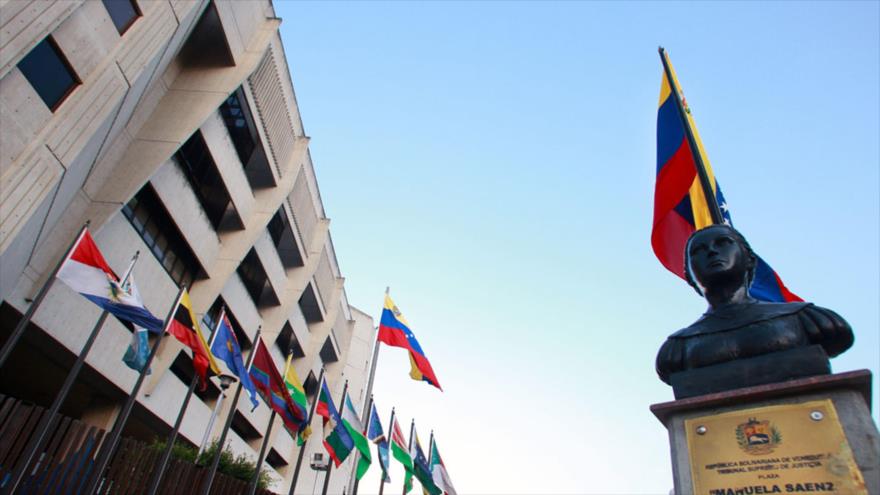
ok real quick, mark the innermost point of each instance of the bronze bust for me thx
(739, 341)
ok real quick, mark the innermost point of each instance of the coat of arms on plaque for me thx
(757, 437)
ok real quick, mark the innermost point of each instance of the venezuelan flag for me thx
(680, 206)
(394, 331)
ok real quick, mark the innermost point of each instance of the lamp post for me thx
(225, 382)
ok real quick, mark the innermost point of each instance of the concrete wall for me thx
(139, 100)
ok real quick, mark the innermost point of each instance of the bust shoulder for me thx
(735, 316)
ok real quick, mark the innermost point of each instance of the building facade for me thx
(172, 127)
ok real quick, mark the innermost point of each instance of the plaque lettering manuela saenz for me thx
(817, 487)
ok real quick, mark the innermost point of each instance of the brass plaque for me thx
(796, 448)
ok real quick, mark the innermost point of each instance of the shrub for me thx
(240, 467)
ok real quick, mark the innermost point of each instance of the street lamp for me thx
(225, 382)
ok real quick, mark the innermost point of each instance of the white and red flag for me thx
(86, 272)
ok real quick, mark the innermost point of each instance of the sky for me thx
(494, 164)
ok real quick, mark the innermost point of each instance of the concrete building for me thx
(172, 127)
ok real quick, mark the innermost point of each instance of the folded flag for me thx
(420, 466)
(356, 430)
(438, 471)
(298, 396)
(377, 436)
(86, 272)
(337, 439)
(271, 387)
(680, 206)
(138, 350)
(394, 331)
(226, 348)
(185, 327)
(400, 451)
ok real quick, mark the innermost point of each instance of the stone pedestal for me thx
(850, 394)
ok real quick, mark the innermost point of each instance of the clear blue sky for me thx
(494, 164)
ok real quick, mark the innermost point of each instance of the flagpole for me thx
(302, 448)
(112, 440)
(36, 441)
(708, 192)
(222, 396)
(166, 455)
(253, 485)
(431, 452)
(209, 478)
(390, 433)
(330, 464)
(16, 334)
(412, 427)
(366, 414)
(366, 422)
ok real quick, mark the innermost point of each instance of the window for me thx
(240, 124)
(49, 73)
(282, 236)
(277, 225)
(123, 13)
(287, 342)
(150, 219)
(255, 280)
(182, 367)
(198, 166)
(243, 131)
(212, 317)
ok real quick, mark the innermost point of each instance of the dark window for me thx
(311, 384)
(182, 367)
(277, 225)
(123, 13)
(275, 460)
(328, 351)
(243, 428)
(212, 317)
(243, 131)
(49, 73)
(288, 343)
(255, 280)
(285, 243)
(150, 219)
(240, 125)
(200, 170)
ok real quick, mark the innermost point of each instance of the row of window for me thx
(48, 70)
(53, 78)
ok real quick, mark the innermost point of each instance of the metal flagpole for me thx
(16, 334)
(166, 455)
(253, 487)
(390, 433)
(431, 453)
(366, 423)
(366, 415)
(714, 209)
(330, 463)
(222, 395)
(112, 440)
(412, 427)
(209, 478)
(302, 448)
(48, 419)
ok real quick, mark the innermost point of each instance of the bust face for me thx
(714, 255)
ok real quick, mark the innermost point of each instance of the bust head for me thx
(718, 256)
